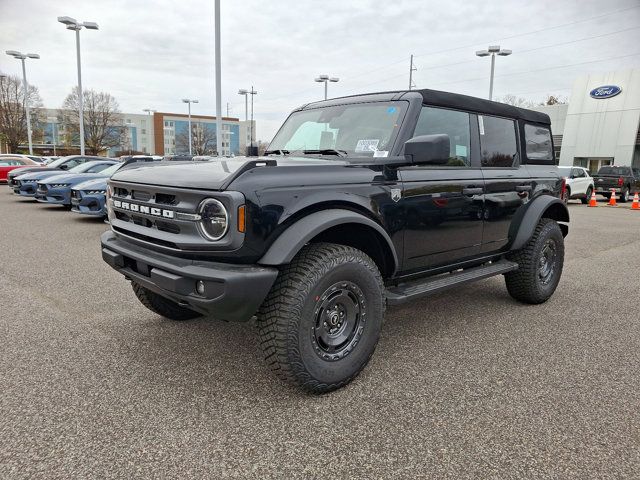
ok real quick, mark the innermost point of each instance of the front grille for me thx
(75, 194)
(158, 224)
(165, 199)
(140, 195)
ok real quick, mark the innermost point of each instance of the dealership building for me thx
(600, 125)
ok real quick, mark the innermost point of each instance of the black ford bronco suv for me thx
(360, 203)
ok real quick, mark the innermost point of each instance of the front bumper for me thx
(232, 292)
(89, 204)
(60, 196)
(25, 189)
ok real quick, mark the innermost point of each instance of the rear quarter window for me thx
(538, 142)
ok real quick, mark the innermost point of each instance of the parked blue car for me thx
(26, 185)
(56, 189)
(89, 197)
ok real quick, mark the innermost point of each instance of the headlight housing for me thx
(60, 185)
(214, 219)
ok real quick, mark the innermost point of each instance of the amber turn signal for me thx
(241, 218)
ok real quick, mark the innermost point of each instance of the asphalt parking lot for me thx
(463, 385)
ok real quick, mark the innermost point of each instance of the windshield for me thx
(111, 170)
(357, 129)
(84, 167)
(614, 171)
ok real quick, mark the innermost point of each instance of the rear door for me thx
(581, 181)
(507, 184)
(442, 204)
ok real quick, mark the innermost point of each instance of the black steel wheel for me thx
(540, 264)
(321, 321)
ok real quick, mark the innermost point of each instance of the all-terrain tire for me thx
(537, 276)
(292, 321)
(162, 306)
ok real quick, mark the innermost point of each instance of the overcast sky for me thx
(150, 54)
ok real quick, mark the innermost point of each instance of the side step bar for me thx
(427, 286)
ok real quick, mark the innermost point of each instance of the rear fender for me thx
(544, 206)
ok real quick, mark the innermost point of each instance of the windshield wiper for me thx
(328, 151)
(277, 151)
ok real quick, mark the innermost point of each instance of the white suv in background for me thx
(579, 183)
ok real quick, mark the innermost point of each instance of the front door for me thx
(442, 204)
(507, 185)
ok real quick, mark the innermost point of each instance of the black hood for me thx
(210, 175)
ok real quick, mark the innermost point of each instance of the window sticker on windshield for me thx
(367, 145)
(461, 150)
(391, 110)
(381, 153)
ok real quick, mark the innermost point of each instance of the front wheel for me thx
(587, 196)
(540, 264)
(624, 195)
(321, 321)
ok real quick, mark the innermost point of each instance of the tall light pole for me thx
(218, 79)
(189, 102)
(493, 50)
(73, 24)
(22, 57)
(326, 79)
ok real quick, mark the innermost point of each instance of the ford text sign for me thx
(606, 91)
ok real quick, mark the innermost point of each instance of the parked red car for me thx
(10, 162)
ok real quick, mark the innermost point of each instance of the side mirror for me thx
(428, 149)
(64, 167)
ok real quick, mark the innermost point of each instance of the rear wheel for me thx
(540, 264)
(587, 196)
(321, 322)
(624, 194)
(162, 306)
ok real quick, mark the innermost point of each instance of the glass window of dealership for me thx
(600, 125)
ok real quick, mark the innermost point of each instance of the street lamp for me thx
(189, 102)
(493, 50)
(326, 79)
(22, 57)
(246, 92)
(73, 24)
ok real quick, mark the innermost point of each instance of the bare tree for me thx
(262, 147)
(203, 139)
(554, 100)
(103, 126)
(13, 117)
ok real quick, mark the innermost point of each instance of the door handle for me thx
(523, 188)
(472, 191)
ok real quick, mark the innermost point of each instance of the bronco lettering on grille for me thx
(145, 209)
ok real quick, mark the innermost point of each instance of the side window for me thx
(72, 163)
(434, 121)
(498, 144)
(538, 140)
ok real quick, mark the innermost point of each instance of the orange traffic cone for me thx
(612, 199)
(635, 205)
(592, 201)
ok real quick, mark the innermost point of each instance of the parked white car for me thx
(579, 183)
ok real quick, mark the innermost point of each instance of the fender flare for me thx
(291, 241)
(532, 216)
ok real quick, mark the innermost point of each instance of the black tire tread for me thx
(162, 306)
(520, 283)
(279, 315)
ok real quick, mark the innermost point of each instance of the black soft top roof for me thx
(447, 100)
(480, 105)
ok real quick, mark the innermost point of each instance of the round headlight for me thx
(214, 220)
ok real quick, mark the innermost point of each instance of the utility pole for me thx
(411, 70)
(252, 92)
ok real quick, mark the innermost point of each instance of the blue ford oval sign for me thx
(606, 91)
